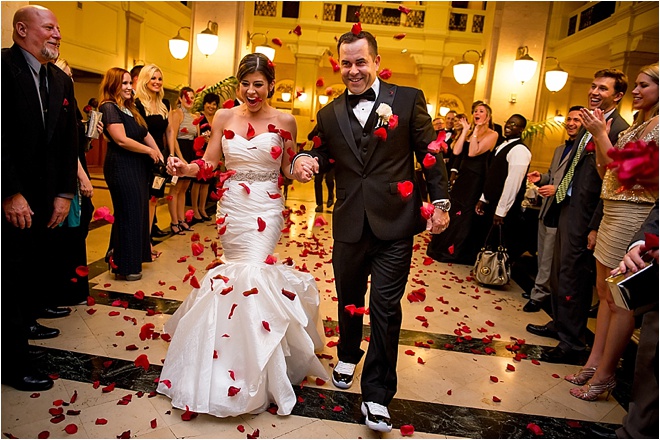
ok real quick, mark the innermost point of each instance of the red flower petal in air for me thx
(277, 42)
(142, 362)
(405, 188)
(200, 89)
(385, 74)
(228, 134)
(356, 28)
(297, 30)
(276, 152)
(250, 131)
(286, 135)
(228, 104)
(536, 430)
(198, 143)
(404, 10)
(429, 160)
(266, 325)
(233, 391)
(197, 120)
(399, 36)
(261, 224)
(426, 210)
(381, 133)
(82, 271)
(320, 82)
(451, 249)
(334, 64)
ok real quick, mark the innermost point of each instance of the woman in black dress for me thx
(461, 241)
(131, 153)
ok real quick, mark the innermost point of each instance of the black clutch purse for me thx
(635, 290)
(159, 177)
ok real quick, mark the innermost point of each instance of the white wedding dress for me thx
(239, 345)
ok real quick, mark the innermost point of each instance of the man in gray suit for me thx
(547, 229)
(580, 212)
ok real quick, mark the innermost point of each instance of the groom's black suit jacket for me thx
(367, 174)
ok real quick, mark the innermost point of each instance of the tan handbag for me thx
(492, 266)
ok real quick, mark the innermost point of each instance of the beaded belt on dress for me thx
(256, 176)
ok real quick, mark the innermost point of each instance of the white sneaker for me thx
(342, 375)
(377, 417)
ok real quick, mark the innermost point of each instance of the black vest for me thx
(361, 135)
(498, 170)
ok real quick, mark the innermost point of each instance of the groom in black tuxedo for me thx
(39, 165)
(377, 212)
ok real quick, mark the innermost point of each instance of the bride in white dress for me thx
(249, 332)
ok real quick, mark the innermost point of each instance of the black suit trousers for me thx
(577, 272)
(388, 263)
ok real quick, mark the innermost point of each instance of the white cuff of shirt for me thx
(295, 159)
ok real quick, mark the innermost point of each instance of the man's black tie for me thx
(43, 91)
(369, 95)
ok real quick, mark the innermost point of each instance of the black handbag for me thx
(159, 177)
(492, 267)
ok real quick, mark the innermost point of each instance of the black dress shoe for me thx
(32, 382)
(319, 208)
(38, 331)
(532, 306)
(557, 355)
(158, 233)
(526, 295)
(330, 203)
(542, 330)
(55, 312)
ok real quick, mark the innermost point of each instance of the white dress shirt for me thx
(518, 158)
(363, 108)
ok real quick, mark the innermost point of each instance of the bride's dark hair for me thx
(257, 62)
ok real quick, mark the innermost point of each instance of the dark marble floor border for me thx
(319, 403)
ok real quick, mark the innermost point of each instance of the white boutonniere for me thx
(384, 113)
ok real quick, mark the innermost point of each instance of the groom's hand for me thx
(438, 222)
(304, 168)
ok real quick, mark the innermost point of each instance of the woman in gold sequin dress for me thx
(624, 210)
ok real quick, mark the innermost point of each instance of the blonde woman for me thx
(155, 109)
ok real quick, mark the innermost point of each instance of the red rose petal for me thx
(233, 391)
(407, 430)
(142, 362)
(71, 428)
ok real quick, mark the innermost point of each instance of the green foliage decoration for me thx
(225, 89)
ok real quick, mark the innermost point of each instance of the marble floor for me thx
(467, 368)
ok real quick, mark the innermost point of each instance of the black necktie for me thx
(43, 91)
(369, 95)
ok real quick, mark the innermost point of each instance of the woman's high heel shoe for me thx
(590, 391)
(184, 227)
(582, 376)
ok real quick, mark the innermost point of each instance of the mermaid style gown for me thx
(249, 332)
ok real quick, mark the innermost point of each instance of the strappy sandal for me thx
(184, 227)
(177, 229)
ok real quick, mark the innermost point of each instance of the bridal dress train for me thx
(250, 330)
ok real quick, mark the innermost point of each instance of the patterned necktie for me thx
(43, 91)
(565, 183)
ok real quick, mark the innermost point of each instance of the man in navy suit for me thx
(377, 212)
(39, 165)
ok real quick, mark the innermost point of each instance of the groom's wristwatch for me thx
(444, 205)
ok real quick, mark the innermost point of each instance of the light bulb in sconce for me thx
(262, 48)
(207, 40)
(555, 79)
(444, 111)
(323, 99)
(463, 70)
(178, 45)
(559, 118)
(302, 97)
(286, 96)
(524, 66)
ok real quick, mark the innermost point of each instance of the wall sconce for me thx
(464, 71)
(286, 96)
(444, 111)
(323, 99)
(302, 97)
(262, 48)
(207, 40)
(524, 66)
(429, 108)
(555, 79)
(559, 118)
(178, 45)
